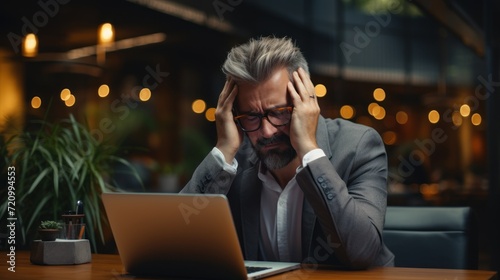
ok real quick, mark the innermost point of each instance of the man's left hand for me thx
(305, 113)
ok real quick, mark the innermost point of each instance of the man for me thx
(301, 187)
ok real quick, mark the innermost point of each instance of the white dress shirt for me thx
(280, 213)
(280, 220)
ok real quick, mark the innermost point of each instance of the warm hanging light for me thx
(30, 45)
(106, 36)
(106, 33)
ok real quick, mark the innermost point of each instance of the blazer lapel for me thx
(250, 211)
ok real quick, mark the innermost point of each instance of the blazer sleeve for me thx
(351, 208)
(210, 178)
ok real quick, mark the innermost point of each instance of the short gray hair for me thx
(256, 60)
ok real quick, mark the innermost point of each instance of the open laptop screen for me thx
(176, 235)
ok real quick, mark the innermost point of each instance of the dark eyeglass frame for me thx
(261, 116)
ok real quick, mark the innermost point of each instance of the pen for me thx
(82, 230)
(79, 207)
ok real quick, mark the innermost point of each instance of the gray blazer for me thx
(345, 197)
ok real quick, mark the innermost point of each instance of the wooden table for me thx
(109, 267)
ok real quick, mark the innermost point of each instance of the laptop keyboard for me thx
(252, 269)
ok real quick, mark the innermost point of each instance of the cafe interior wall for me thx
(419, 64)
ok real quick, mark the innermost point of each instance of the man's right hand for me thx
(229, 136)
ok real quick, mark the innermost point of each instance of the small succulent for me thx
(50, 225)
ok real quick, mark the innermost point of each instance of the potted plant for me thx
(49, 230)
(57, 164)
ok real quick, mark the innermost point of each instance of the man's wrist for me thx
(231, 168)
(312, 155)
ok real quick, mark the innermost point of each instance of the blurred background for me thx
(145, 76)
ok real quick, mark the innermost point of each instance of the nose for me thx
(267, 129)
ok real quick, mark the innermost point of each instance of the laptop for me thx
(181, 236)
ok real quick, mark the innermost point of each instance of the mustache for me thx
(261, 142)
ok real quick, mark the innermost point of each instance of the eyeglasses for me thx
(253, 121)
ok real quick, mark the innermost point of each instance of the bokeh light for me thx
(320, 90)
(103, 90)
(347, 112)
(379, 94)
(70, 101)
(433, 116)
(465, 110)
(65, 94)
(389, 137)
(476, 119)
(198, 106)
(210, 114)
(36, 102)
(145, 94)
(401, 117)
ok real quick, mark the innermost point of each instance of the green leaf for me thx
(56, 165)
(38, 179)
(36, 213)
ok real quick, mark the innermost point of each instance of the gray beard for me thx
(275, 158)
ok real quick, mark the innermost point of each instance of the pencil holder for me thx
(73, 227)
(70, 248)
(73, 231)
